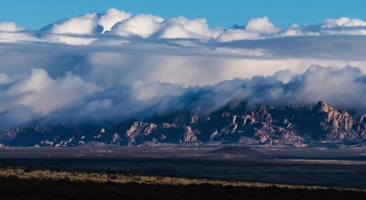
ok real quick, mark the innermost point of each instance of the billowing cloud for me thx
(112, 17)
(10, 32)
(91, 28)
(347, 91)
(45, 95)
(261, 25)
(343, 22)
(106, 68)
(85, 24)
(140, 25)
(181, 27)
(9, 27)
(255, 28)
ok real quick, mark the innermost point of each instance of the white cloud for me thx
(344, 32)
(261, 25)
(237, 34)
(111, 17)
(85, 24)
(15, 37)
(343, 26)
(256, 28)
(143, 91)
(70, 40)
(146, 65)
(347, 91)
(45, 95)
(94, 28)
(181, 27)
(9, 27)
(262, 28)
(343, 22)
(140, 25)
(317, 81)
(294, 30)
(10, 32)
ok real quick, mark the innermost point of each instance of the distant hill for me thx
(236, 150)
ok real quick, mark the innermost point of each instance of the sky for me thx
(76, 62)
(37, 13)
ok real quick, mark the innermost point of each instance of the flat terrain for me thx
(205, 173)
(322, 167)
(30, 183)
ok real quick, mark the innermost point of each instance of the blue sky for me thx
(35, 14)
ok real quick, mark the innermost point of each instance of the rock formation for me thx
(235, 123)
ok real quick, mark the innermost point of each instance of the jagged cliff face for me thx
(235, 123)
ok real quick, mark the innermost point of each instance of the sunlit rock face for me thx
(236, 123)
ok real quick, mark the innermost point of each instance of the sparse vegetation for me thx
(23, 183)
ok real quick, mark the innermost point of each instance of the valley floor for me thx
(33, 183)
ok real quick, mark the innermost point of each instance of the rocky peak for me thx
(236, 122)
(322, 107)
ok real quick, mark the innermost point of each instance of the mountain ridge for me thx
(236, 123)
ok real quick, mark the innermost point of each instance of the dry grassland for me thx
(103, 177)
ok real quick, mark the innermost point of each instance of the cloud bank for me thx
(106, 68)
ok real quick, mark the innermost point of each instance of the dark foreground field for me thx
(31, 183)
(182, 173)
(15, 188)
(344, 168)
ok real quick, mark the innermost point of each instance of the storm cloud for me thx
(106, 68)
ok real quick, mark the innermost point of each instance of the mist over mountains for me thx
(40, 100)
(237, 123)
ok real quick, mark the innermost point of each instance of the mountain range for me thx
(236, 123)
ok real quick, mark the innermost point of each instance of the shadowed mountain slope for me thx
(236, 123)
